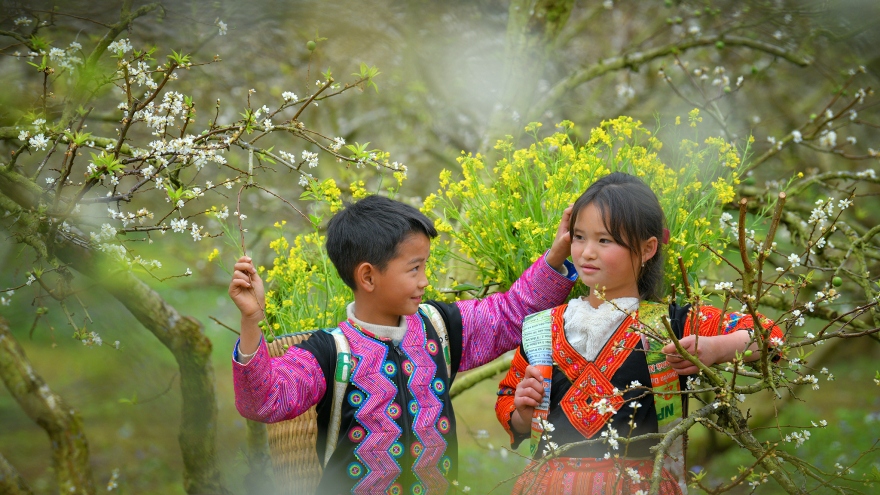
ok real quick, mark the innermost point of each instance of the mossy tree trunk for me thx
(70, 448)
(11, 482)
(182, 335)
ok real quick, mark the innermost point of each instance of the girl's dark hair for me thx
(632, 215)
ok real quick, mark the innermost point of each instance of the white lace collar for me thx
(587, 329)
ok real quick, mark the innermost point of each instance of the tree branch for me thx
(635, 59)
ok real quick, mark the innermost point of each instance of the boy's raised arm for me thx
(268, 390)
(493, 325)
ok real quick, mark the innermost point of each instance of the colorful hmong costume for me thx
(397, 429)
(579, 384)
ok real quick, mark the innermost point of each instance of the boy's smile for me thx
(398, 289)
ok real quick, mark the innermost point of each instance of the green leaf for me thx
(178, 58)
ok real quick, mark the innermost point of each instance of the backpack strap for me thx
(340, 382)
(440, 326)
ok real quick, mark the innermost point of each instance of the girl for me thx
(605, 379)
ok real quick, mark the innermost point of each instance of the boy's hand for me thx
(246, 290)
(528, 395)
(561, 247)
(705, 352)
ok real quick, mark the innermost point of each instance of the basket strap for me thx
(340, 383)
(440, 326)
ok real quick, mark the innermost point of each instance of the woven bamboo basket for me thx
(292, 442)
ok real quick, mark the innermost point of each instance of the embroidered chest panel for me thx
(591, 400)
(387, 387)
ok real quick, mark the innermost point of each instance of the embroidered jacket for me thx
(398, 426)
(577, 384)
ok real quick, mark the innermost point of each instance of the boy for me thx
(397, 429)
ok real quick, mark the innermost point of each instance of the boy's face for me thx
(400, 286)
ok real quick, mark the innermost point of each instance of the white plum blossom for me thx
(38, 142)
(338, 142)
(611, 437)
(311, 158)
(23, 21)
(812, 379)
(196, 232)
(724, 286)
(828, 139)
(31, 279)
(634, 475)
(289, 96)
(796, 136)
(287, 156)
(178, 225)
(221, 27)
(604, 406)
(92, 338)
(550, 447)
(122, 45)
(798, 438)
(794, 259)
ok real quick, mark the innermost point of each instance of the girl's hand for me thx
(528, 395)
(706, 353)
(246, 290)
(561, 247)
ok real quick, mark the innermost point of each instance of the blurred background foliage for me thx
(455, 76)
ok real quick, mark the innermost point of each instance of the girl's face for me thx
(602, 264)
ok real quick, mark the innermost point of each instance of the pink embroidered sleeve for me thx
(271, 389)
(493, 325)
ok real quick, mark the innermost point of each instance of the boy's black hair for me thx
(632, 215)
(370, 230)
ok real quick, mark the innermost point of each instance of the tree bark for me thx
(183, 336)
(260, 477)
(70, 448)
(11, 482)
